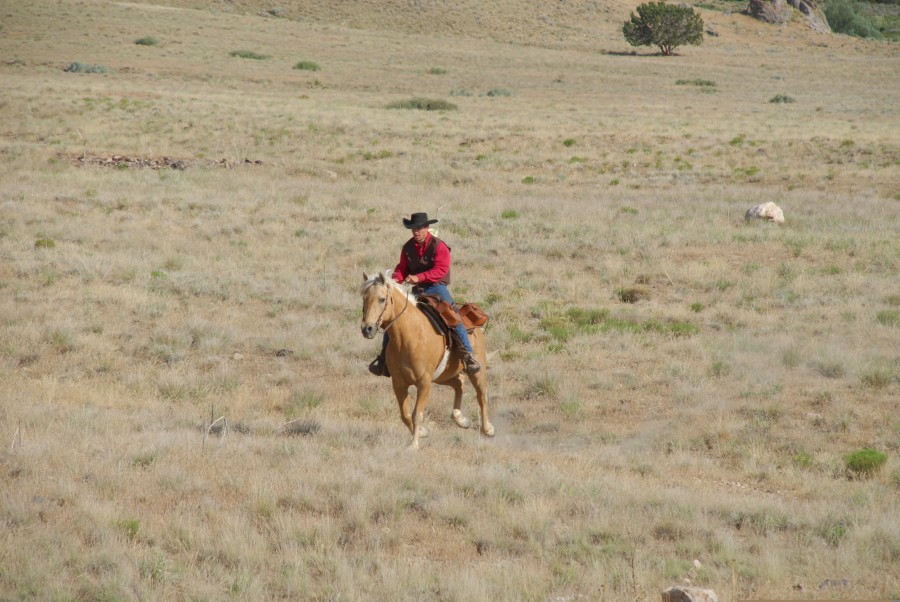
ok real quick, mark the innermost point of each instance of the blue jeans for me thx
(443, 292)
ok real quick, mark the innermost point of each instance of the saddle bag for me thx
(474, 315)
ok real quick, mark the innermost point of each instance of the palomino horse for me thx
(415, 354)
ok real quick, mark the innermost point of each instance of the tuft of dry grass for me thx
(185, 410)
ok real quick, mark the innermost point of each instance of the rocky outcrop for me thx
(779, 12)
(766, 211)
(815, 16)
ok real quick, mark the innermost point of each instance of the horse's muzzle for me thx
(369, 330)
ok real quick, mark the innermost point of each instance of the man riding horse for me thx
(425, 263)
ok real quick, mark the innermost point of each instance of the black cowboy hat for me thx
(418, 220)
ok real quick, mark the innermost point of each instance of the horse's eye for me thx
(382, 299)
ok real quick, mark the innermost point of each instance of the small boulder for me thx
(768, 211)
(689, 594)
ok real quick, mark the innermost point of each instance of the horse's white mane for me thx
(386, 278)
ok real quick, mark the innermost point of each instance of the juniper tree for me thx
(666, 26)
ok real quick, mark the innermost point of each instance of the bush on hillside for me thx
(844, 17)
(307, 66)
(665, 26)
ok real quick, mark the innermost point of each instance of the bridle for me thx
(394, 321)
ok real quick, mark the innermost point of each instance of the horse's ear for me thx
(380, 279)
(365, 276)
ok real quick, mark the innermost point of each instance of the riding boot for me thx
(379, 366)
(469, 362)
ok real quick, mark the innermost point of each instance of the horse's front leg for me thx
(423, 390)
(401, 390)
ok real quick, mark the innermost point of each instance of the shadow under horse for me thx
(416, 354)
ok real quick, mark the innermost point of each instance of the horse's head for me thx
(376, 294)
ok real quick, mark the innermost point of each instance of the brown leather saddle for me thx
(444, 316)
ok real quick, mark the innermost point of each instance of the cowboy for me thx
(425, 263)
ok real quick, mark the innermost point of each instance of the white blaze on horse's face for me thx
(375, 298)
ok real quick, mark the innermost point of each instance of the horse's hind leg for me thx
(479, 381)
(458, 417)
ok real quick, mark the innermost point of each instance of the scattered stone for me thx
(689, 594)
(768, 211)
(155, 163)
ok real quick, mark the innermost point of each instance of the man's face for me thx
(420, 234)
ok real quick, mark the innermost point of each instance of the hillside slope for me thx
(544, 22)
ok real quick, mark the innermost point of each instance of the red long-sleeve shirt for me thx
(436, 273)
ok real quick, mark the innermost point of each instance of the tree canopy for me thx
(666, 26)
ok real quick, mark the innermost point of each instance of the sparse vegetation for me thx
(147, 41)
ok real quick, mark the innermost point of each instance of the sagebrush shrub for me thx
(307, 66)
(423, 104)
(248, 54)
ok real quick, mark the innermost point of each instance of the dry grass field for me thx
(185, 410)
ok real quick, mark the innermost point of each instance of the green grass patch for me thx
(423, 104)
(510, 214)
(44, 242)
(498, 92)
(437, 71)
(888, 317)
(147, 41)
(781, 98)
(569, 142)
(129, 526)
(299, 402)
(865, 462)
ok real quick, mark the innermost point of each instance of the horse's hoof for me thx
(488, 430)
(461, 420)
(423, 432)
